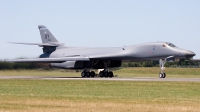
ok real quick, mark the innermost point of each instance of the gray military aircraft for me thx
(105, 58)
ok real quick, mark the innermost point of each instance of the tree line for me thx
(155, 63)
(5, 65)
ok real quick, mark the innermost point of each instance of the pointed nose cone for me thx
(189, 54)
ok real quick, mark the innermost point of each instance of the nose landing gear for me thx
(162, 67)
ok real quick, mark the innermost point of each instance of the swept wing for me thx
(49, 60)
(39, 44)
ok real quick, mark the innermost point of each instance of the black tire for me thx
(83, 74)
(92, 74)
(110, 74)
(164, 75)
(88, 74)
(101, 74)
(160, 75)
(105, 74)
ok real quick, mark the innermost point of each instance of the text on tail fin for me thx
(46, 35)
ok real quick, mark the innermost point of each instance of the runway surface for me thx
(106, 79)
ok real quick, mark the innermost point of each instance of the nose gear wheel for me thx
(162, 75)
(162, 67)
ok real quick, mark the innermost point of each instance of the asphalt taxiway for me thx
(106, 79)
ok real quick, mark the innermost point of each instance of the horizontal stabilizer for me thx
(49, 60)
(39, 44)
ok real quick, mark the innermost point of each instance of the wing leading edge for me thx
(49, 60)
(39, 44)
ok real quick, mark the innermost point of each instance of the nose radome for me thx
(189, 54)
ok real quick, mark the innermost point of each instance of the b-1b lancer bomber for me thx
(88, 58)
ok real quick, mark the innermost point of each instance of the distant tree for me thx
(5, 65)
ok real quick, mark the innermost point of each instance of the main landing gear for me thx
(162, 67)
(104, 73)
(87, 73)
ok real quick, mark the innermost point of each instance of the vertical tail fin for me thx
(46, 35)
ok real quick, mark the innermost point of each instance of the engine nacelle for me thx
(86, 64)
(68, 64)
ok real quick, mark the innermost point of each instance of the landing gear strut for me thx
(162, 67)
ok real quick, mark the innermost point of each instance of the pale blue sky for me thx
(96, 23)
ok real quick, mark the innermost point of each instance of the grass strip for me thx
(45, 95)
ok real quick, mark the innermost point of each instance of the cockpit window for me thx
(171, 45)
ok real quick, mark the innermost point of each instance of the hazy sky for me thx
(96, 23)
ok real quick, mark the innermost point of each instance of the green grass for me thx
(124, 72)
(154, 71)
(101, 90)
(100, 96)
(42, 94)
